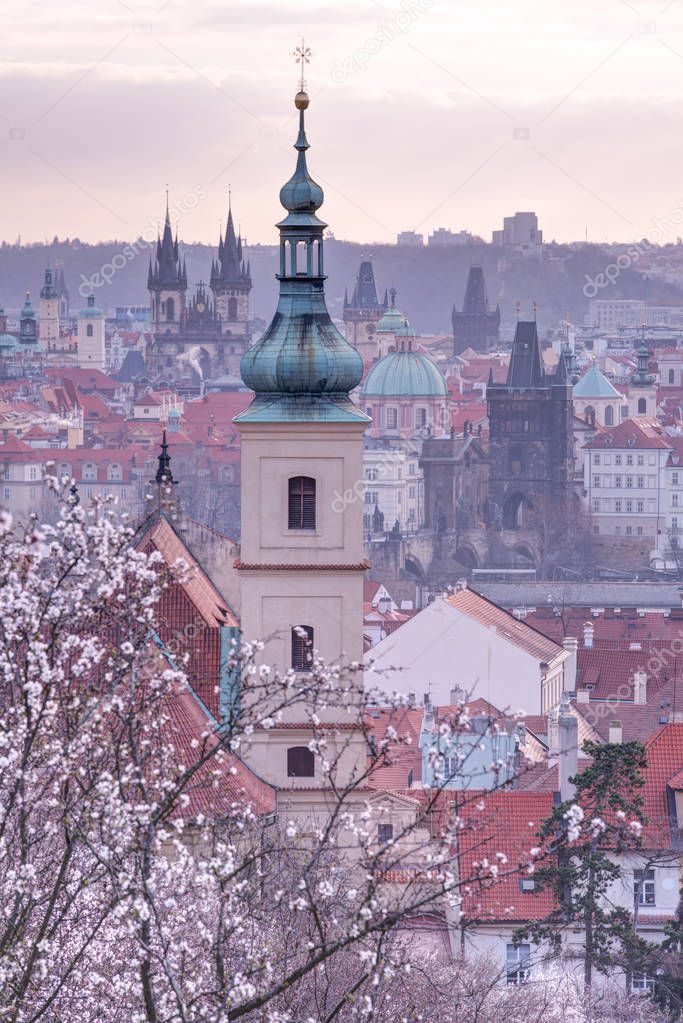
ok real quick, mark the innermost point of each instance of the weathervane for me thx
(302, 55)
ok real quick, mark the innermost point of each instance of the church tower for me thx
(91, 346)
(231, 284)
(167, 283)
(48, 311)
(301, 562)
(476, 326)
(363, 312)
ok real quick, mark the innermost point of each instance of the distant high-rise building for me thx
(476, 326)
(363, 312)
(411, 238)
(442, 236)
(521, 233)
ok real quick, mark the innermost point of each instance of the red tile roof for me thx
(525, 637)
(501, 822)
(632, 433)
(664, 752)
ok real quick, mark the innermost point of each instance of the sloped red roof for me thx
(225, 781)
(209, 603)
(501, 822)
(525, 637)
(632, 433)
(664, 752)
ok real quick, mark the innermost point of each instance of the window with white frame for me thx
(596, 459)
(596, 481)
(644, 887)
(640, 507)
(629, 507)
(629, 482)
(617, 459)
(33, 473)
(642, 983)
(617, 505)
(640, 481)
(596, 504)
(674, 500)
(517, 963)
(641, 459)
(392, 418)
(617, 481)
(629, 531)
(674, 479)
(639, 531)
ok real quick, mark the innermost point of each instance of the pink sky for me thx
(425, 113)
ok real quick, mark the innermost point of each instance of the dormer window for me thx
(301, 503)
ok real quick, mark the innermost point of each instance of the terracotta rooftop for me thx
(524, 636)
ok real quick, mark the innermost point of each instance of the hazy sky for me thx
(425, 113)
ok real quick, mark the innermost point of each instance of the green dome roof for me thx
(28, 312)
(405, 374)
(7, 343)
(91, 311)
(391, 322)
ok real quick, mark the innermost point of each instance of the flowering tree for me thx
(145, 875)
(140, 878)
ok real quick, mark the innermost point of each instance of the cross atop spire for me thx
(302, 55)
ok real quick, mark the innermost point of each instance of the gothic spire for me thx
(164, 476)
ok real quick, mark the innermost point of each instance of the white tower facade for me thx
(91, 336)
(48, 311)
(301, 561)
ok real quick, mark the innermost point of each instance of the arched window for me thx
(672, 378)
(609, 416)
(590, 415)
(170, 309)
(232, 308)
(302, 647)
(300, 762)
(88, 330)
(392, 419)
(301, 511)
(642, 406)
(421, 417)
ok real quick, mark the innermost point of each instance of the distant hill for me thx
(428, 280)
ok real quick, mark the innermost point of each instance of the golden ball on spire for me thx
(301, 100)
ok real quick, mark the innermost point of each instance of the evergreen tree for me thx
(581, 842)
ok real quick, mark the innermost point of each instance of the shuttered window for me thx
(302, 647)
(301, 502)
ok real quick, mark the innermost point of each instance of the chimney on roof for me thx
(568, 729)
(640, 687)
(571, 645)
(412, 700)
(583, 696)
(457, 695)
(461, 584)
(588, 631)
(616, 732)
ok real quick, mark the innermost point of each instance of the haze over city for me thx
(427, 114)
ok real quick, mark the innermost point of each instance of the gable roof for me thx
(207, 600)
(524, 636)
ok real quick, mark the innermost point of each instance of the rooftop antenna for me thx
(534, 312)
(519, 306)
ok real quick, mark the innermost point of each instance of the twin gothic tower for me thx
(207, 336)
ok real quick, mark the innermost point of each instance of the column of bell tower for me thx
(301, 560)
